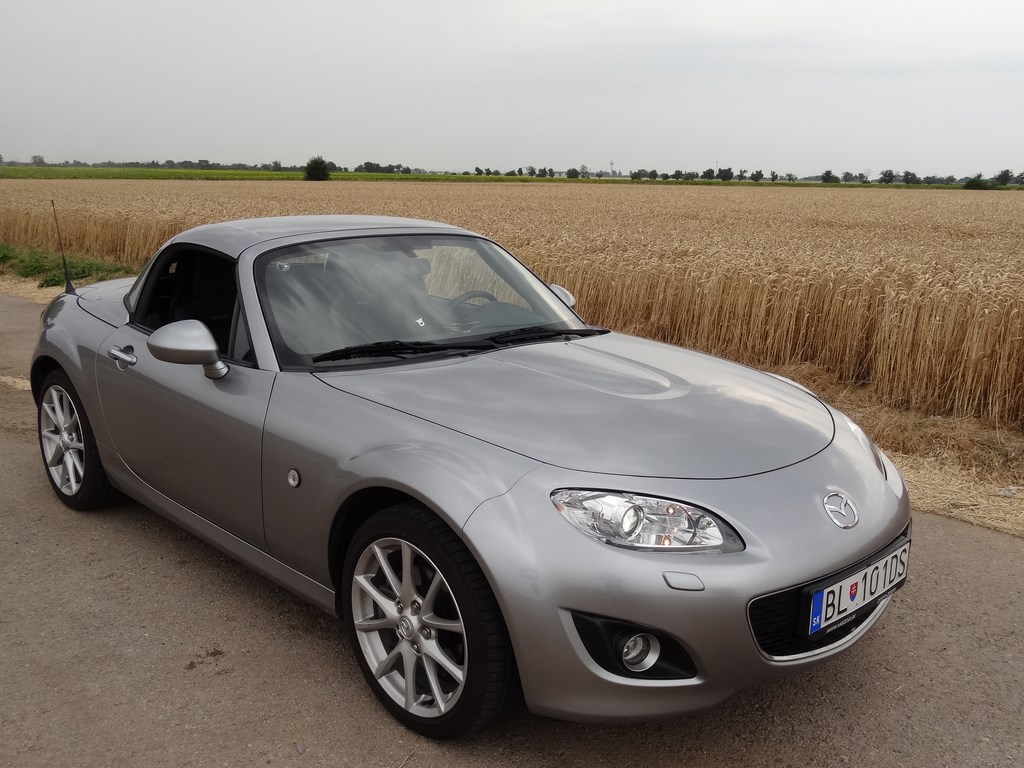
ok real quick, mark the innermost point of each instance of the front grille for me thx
(777, 621)
(777, 627)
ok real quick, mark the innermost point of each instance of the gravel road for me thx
(125, 641)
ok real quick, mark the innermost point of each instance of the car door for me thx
(196, 440)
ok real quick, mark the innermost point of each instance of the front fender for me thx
(340, 445)
(69, 339)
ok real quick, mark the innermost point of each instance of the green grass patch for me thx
(47, 268)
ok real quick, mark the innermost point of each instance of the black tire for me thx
(66, 443)
(417, 624)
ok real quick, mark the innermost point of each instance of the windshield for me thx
(330, 295)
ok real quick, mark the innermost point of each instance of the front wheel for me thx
(427, 631)
(69, 450)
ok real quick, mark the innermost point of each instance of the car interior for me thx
(197, 285)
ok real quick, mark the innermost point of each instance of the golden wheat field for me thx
(919, 294)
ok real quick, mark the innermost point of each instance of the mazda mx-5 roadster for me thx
(402, 424)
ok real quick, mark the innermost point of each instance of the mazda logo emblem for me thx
(841, 510)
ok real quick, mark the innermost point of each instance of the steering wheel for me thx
(462, 298)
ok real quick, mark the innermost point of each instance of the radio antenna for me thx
(68, 287)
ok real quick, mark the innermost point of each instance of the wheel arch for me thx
(354, 511)
(41, 368)
(61, 346)
(360, 507)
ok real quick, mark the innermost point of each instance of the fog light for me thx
(640, 652)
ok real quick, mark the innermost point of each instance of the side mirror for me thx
(567, 298)
(188, 342)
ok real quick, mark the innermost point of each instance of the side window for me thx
(192, 285)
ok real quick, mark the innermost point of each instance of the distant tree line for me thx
(369, 167)
(528, 170)
(888, 176)
(318, 168)
(204, 165)
(710, 174)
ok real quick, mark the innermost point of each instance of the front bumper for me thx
(543, 571)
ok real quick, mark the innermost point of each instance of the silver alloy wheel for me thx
(409, 627)
(60, 433)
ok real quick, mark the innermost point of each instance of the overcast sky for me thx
(933, 86)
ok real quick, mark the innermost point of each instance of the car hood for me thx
(611, 404)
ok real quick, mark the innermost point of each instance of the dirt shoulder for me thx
(27, 289)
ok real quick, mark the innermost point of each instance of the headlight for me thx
(642, 522)
(866, 443)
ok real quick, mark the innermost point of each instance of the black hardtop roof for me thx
(233, 237)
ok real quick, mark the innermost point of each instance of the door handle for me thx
(123, 357)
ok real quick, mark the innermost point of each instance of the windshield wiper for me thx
(540, 333)
(398, 348)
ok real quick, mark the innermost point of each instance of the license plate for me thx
(835, 604)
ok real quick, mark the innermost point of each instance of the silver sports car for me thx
(402, 424)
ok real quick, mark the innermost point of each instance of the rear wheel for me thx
(69, 450)
(427, 631)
